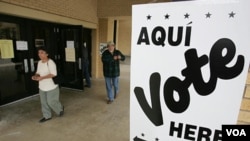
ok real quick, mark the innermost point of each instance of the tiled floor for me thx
(87, 116)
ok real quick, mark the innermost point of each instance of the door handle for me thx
(26, 67)
(80, 63)
(32, 65)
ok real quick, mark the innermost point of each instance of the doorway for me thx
(69, 56)
(14, 63)
(64, 43)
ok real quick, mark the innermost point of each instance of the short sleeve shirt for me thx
(43, 69)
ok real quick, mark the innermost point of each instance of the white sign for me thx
(70, 44)
(21, 45)
(195, 57)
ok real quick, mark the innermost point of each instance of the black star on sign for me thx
(231, 15)
(148, 17)
(208, 15)
(186, 16)
(167, 16)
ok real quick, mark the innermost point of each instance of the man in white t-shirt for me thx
(48, 90)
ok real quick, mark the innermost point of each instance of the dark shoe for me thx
(44, 119)
(109, 101)
(115, 96)
(87, 86)
(62, 112)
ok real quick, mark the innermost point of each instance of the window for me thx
(9, 31)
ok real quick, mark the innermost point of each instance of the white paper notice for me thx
(70, 54)
(70, 44)
(21, 45)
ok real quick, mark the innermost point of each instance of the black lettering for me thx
(160, 39)
(154, 113)
(171, 34)
(188, 36)
(177, 129)
(204, 133)
(217, 135)
(138, 139)
(175, 86)
(219, 61)
(222, 53)
(143, 37)
(193, 73)
(218, 68)
(189, 131)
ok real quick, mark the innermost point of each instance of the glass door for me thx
(64, 43)
(14, 60)
(69, 56)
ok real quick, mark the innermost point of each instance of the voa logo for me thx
(236, 132)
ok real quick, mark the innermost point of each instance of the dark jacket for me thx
(111, 67)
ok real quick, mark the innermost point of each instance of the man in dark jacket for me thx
(111, 70)
(85, 62)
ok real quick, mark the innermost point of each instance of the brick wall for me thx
(85, 10)
(244, 115)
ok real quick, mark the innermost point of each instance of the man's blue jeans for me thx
(86, 73)
(112, 86)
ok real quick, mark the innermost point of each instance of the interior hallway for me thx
(87, 115)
